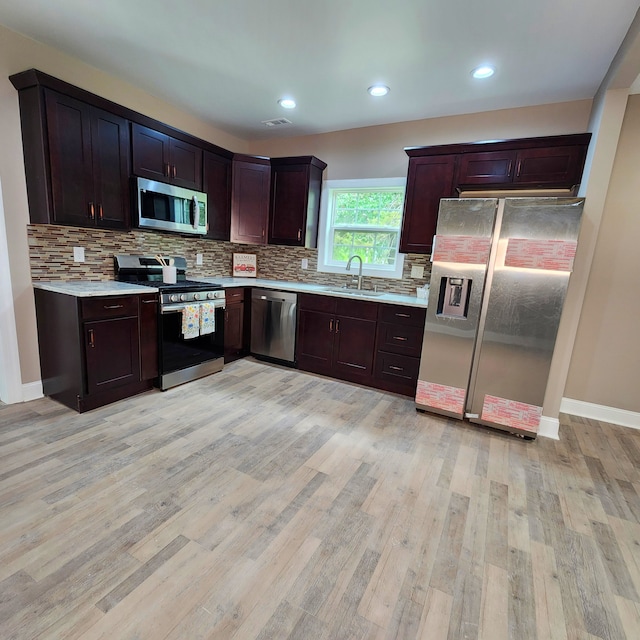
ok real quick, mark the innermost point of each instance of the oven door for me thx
(184, 359)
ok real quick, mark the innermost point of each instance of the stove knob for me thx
(173, 298)
(211, 295)
(196, 296)
(183, 297)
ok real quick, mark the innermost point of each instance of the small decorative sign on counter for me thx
(244, 265)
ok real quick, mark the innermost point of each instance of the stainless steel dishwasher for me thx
(273, 325)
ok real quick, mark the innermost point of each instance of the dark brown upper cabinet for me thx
(538, 167)
(158, 156)
(490, 167)
(251, 181)
(216, 183)
(76, 161)
(552, 162)
(295, 201)
(429, 178)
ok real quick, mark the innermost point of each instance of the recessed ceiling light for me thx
(484, 71)
(287, 103)
(378, 90)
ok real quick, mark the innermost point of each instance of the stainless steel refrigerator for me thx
(500, 273)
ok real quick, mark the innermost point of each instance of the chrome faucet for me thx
(359, 270)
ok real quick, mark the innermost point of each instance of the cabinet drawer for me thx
(356, 309)
(312, 302)
(402, 339)
(109, 307)
(400, 314)
(232, 296)
(396, 368)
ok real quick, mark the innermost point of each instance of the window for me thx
(362, 217)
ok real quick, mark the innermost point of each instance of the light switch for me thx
(417, 272)
(305, 263)
(78, 254)
(198, 258)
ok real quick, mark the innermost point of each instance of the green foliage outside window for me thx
(367, 223)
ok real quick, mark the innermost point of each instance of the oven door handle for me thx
(175, 308)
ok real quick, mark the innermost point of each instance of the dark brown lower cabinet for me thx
(398, 348)
(235, 325)
(96, 350)
(336, 337)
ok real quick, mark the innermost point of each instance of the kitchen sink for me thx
(365, 293)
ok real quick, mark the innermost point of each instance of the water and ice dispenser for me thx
(453, 301)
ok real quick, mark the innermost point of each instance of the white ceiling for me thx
(228, 61)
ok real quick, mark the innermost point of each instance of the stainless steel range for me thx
(190, 319)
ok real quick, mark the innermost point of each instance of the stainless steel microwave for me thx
(168, 208)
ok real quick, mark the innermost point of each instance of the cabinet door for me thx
(69, 132)
(217, 186)
(354, 348)
(148, 336)
(429, 179)
(315, 341)
(250, 202)
(110, 143)
(185, 164)
(233, 331)
(489, 167)
(112, 353)
(150, 153)
(289, 191)
(550, 166)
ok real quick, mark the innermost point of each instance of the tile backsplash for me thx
(51, 255)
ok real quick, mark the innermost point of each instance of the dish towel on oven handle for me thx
(191, 321)
(207, 318)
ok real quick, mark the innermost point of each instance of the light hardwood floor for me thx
(263, 502)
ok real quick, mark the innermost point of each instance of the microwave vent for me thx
(276, 122)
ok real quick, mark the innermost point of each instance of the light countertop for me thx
(92, 288)
(304, 287)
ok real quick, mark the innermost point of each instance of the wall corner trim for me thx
(549, 428)
(612, 415)
(32, 391)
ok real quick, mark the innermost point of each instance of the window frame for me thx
(325, 265)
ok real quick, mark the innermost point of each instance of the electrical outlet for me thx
(78, 254)
(198, 258)
(417, 272)
(305, 263)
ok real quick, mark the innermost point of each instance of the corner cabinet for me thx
(76, 161)
(96, 350)
(158, 156)
(295, 201)
(551, 162)
(251, 178)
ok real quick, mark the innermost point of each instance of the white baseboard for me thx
(32, 391)
(549, 428)
(600, 412)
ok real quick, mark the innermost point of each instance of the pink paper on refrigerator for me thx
(462, 249)
(510, 413)
(440, 396)
(553, 255)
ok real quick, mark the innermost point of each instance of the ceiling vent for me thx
(276, 122)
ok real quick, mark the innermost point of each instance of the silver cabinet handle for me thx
(400, 338)
(114, 306)
(395, 368)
